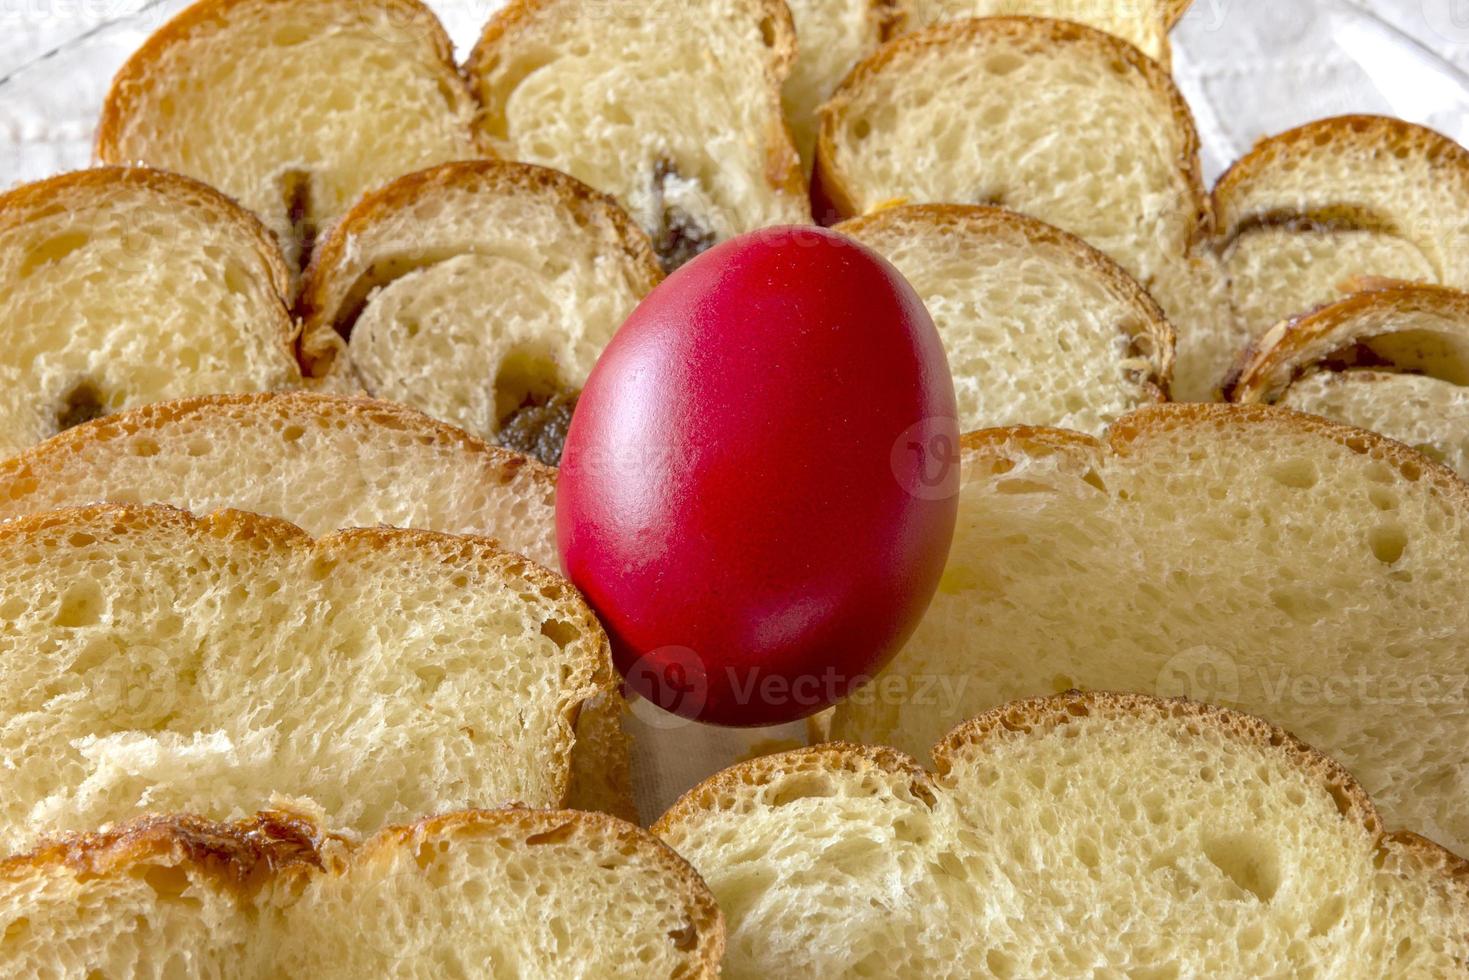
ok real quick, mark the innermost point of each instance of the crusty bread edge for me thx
(140, 71)
(782, 171)
(978, 219)
(243, 856)
(322, 293)
(161, 415)
(836, 188)
(729, 790)
(595, 675)
(1233, 198)
(1283, 354)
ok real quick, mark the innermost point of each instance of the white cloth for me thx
(1248, 67)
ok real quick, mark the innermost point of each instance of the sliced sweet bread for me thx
(1393, 359)
(1243, 554)
(294, 109)
(1040, 328)
(671, 106)
(1307, 211)
(157, 662)
(481, 293)
(123, 286)
(831, 37)
(1053, 119)
(506, 893)
(324, 462)
(1144, 23)
(1081, 835)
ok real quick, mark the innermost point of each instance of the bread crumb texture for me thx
(126, 286)
(158, 663)
(1079, 835)
(478, 893)
(1300, 570)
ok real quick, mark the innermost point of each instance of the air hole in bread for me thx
(767, 32)
(1003, 63)
(167, 883)
(296, 191)
(560, 632)
(82, 403)
(1248, 861)
(53, 250)
(1388, 543)
(556, 835)
(805, 786)
(1298, 474)
(81, 605)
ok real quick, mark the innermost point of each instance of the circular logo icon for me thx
(672, 685)
(1199, 674)
(925, 458)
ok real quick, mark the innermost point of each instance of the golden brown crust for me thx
(1357, 135)
(1054, 38)
(782, 164)
(248, 855)
(271, 533)
(240, 855)
(728, 789)
(47, 458)
(974, 220)
(1296, 347)
(1173, 11)
(21, 203)
(326, 285)
(141, 72)
(1019, 719)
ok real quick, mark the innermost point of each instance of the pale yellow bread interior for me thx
(507, 893)
(1246, 555)
(128, 286)
(1393, 358)
(470, 289)
(1040, 328)
(1056, 120)
(324, 462)
(1307, 211)
(294, 109)
(670, 106)
(1073, 836)
(156, 662)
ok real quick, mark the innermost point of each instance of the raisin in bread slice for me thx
(128, 286)
(324, 462)
(1393, 359)
(1080, 835)
(1309, 210)
(1143, 23)
(157, 662)
(1053, 119)
(1292, 567)
(1040, 328)
(469, 893)
(481, 293)
(671, 106)
(294, 109)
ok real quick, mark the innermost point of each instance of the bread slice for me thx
(1081, 835)
(295, 109)
(478, 292)
(1144, 24)
(831, 37)
(1056, 120)
(1393, 359)
(157, 662)
(1040, 328)
(1245, 555)
(477, 893)
(324, 463)
(127, 286)
(670, 106)
(1307, 211)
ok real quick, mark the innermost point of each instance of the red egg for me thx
(758, 489)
